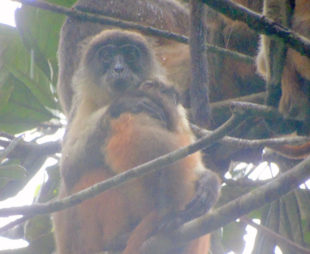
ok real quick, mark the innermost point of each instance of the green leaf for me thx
(23, 103)
(40, 91)
(39, 31)
(22, 111)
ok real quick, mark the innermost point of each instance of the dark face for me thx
(119, 64)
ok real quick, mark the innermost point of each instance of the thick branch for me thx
(234, 11)
(126, 176)
(232, 210)
(199, 92)
(261, 24)
(86, 16)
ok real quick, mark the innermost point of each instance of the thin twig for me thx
(6, 135)
(254, 98)
(14, 223)
(253, 143)
(40, 149)
(257, 110)
(278, 237)
(220, 109)
(12, 145)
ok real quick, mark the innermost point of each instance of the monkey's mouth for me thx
(121, 85)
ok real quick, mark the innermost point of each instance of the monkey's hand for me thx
(207, 192)
(137, 102)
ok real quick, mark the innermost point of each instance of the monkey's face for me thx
(120, 66)
(119, 63)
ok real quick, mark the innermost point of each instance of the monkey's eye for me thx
(106, 54)
(131, 53)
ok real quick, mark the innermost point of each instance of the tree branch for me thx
(232, 210)
(10, 147)
(14, 223)
(255, 21)
(199, 91)
(220, 109)
(257, 110)
(131, 174)
(101, 19)
(253, 143)
(19, 146)
(278, 237)
(261, 24)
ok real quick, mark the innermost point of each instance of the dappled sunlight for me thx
(7, 9)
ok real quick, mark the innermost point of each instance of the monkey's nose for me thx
(119, 64)
(118, 68)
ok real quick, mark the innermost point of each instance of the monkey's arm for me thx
(81, 147)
